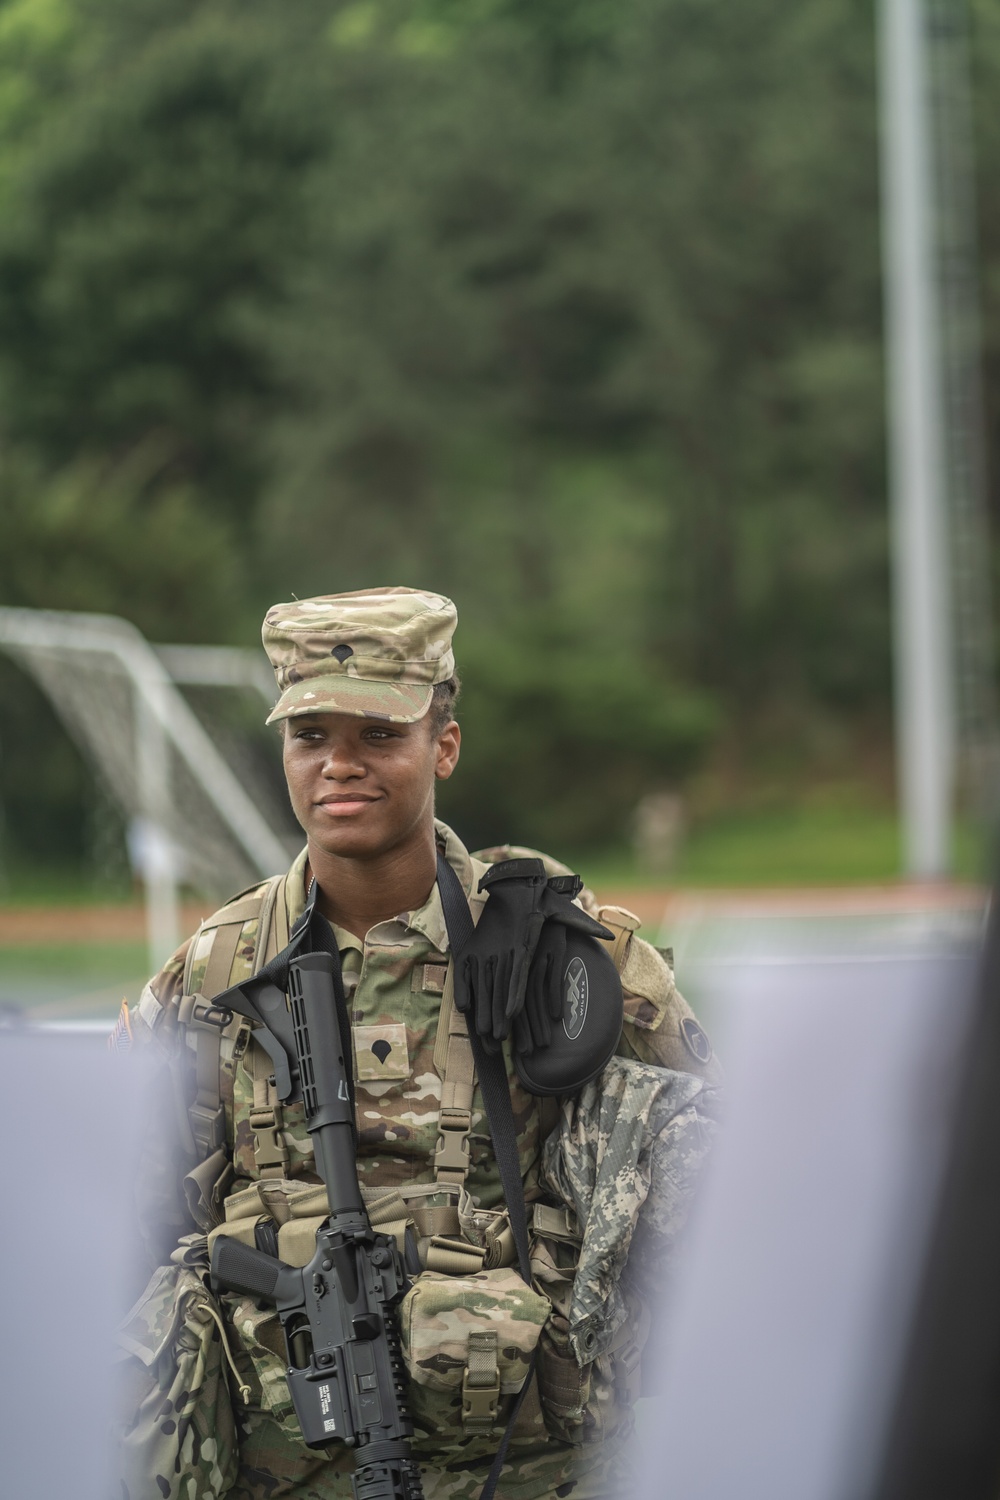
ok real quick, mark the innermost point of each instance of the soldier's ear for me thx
(447, 749)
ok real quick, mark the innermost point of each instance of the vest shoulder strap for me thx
(207, 972)
(622, 923)
(454, 1065)
(458, 1082)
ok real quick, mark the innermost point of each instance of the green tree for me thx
(159, 209)
(569, 310)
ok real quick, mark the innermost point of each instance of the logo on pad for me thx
(576, 992)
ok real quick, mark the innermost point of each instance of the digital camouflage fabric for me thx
(377, 652)
(634, 1138)
(394, 981)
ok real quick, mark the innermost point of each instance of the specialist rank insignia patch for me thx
(695, 1040)
(381, 1053)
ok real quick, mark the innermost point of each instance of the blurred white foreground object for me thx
(65, 1258)
(782, 1343)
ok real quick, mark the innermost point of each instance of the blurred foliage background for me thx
(569, 310)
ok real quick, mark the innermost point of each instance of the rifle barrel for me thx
(326, 1094)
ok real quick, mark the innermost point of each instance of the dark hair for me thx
(443, 702)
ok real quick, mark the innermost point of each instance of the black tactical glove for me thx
(543, 1001)
(502, 974)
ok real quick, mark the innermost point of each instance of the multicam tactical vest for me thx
(426, 1166)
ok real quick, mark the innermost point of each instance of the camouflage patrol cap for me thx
(376, 653)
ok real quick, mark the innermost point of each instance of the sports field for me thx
(78, 963)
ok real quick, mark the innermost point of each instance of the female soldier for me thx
(367, 691)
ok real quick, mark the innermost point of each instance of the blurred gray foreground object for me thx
(65, 1269)
(791, 1320)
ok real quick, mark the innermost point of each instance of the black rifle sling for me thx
(492, 1074)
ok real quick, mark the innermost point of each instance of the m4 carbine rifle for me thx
(345, 1370)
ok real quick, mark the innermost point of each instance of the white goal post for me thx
(118, 698)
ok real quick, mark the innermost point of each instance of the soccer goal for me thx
(198, 813)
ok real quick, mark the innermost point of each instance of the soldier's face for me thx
(361, 788)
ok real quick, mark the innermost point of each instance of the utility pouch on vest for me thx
(180, 1438)
(467, 1343)
(581, 1403)
(467, 1251)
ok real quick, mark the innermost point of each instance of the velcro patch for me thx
(429, 977)
(648, 985)
(380, 1053)
(150, 1008)
(695, 1040)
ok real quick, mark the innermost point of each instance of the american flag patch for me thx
(120, 1039)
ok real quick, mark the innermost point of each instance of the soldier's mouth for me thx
(347, 805)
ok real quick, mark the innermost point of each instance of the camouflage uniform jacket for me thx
(394, 981)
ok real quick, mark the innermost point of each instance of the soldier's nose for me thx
(342, 764)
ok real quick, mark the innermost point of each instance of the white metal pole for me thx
(155, 847)
(193, 745)
(924, 687)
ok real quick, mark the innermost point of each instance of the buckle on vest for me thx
(452, 1154)
(269, 1149)
(202, 1012)
(216, 1015)
(555, 1223)
(208, 1126)
(481, 1383)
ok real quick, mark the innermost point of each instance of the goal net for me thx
(175, 735)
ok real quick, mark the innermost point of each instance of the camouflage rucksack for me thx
(178, 1437)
